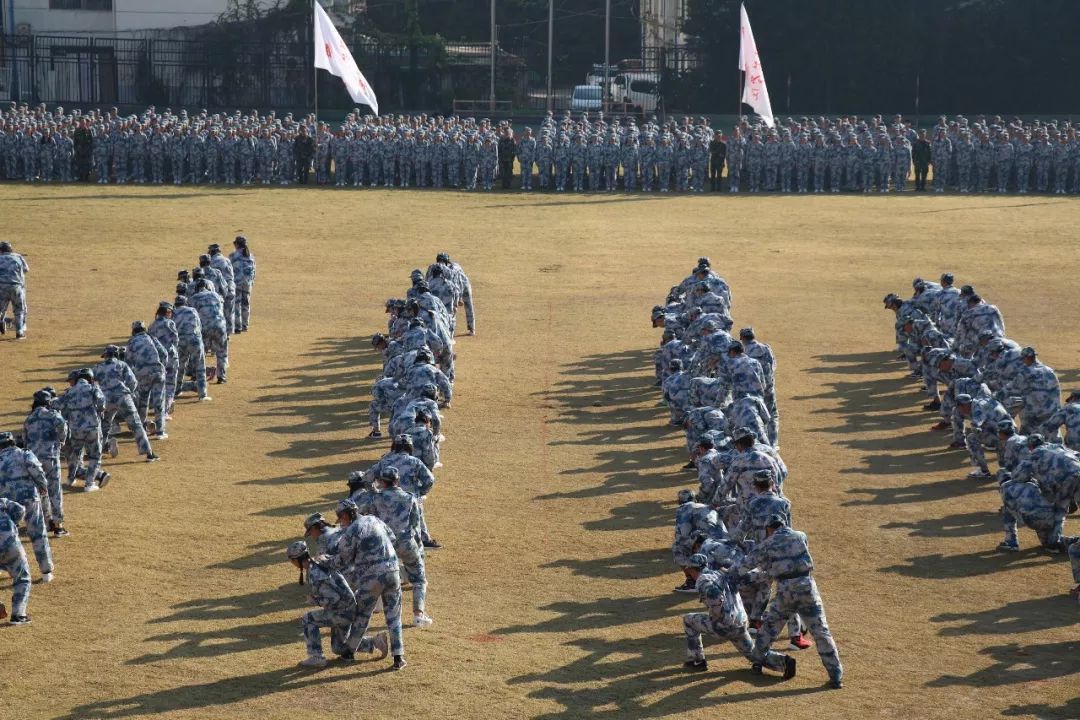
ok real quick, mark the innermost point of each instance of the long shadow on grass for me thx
(644, 678)
(1016, 663)
(220, 694)
(613, 404)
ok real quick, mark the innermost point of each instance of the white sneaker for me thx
(313, 661)
(422, 621)
(91, 487)
(47, 577)
(161, 436)
(205, 398)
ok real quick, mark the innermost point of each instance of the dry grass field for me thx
(552, 597)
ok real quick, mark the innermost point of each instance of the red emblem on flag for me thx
(329, 50)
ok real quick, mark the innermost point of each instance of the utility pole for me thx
(492, 55)
(607, 51)
(551, 36)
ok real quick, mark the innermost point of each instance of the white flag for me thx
(332, 54)
(755, 94)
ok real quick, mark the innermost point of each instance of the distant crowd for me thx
(583, 152)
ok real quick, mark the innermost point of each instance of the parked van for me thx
(587, 97)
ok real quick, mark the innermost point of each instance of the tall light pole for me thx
(551, 36)
(493, 55)
(607, 50)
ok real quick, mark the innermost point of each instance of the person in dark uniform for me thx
(507, 150)
(920, 155)
(717, 157)
(303, 152)
(84, 147)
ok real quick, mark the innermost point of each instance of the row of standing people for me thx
(733, 535)
(377, 545)
(992, 394)
(132, 382)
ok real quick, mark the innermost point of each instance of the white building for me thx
(107, 17)
(662, 22)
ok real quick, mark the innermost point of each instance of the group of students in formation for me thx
(980, 382)
(160, 362)
(734, 538)
(376, 545)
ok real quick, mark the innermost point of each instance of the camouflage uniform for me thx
(367, 558)
(45, 431)
(786, 559)
(329, 590)
(726, 618)
(1024, 504)
(1058, 473)
(13, 269)
(148, 358)
(23, 481)
(13, 557)
(401, 513)
(190, 349)
(215, 335)
(119, 386)
(82, 406)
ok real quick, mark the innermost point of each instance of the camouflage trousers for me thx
(756, 599)
(379, 583)
(339, 622)
(27, 495)
(15, 295)
(124, 409)
(411, 562)
(192, 360)
(152, 397)
(50, 463)
(697, 624)
(172, 376)
(242, 306)
(229, 306)
(1036, 422)
(976, 441)
(799, 595)
(13, 562)
(82, 442)
(216, 340)
(1045, 525)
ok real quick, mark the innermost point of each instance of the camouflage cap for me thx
(995, 346)
(346, 505)
(390, 473)
(763, 476)
(744, 433)
(685, 496)
(1028, 352)
(697, 560)
(1006, 426)
(315, 520)
(1074, 395)
(775, 521)
(297, 550)
(963, 399)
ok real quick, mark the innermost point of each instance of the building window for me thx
(80, 4)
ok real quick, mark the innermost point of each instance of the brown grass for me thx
(552, 597)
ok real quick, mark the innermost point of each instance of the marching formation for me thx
(158, 364)
(586, 153)
(734, 537)
(378, 545)
(979, 380)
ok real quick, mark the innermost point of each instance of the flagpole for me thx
(314, 69)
